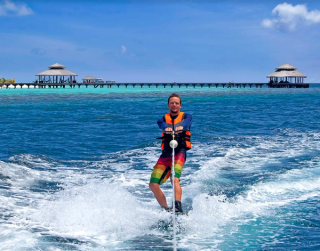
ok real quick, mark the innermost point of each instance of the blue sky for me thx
(160, 40)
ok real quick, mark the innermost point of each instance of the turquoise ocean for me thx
(75, 166)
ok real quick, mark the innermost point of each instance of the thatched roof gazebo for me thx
(286, 73)
(56, 74)
(89, 79)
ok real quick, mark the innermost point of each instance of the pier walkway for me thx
(110, 85)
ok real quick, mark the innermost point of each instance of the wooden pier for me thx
(288, 85)
(164, 85)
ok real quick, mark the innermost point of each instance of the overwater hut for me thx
(89, 79)
(286, 73)
(57, 74)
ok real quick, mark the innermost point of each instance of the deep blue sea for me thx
(75, 166)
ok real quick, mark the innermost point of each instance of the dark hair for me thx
(174, 95)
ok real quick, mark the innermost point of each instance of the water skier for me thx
(179, 122)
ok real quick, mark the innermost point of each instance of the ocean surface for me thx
(75, 166)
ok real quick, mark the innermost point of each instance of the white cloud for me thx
(123, 49)
(9, 8)
(289, 16)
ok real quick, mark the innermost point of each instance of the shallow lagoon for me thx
(75, 165)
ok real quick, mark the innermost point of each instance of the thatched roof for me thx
(286, 70)
(89, 78)
(56, 70)
(286, 67)
(282, 73)
(57, 66)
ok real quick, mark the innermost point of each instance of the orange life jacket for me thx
(183, 138)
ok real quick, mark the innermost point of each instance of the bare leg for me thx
(155, 188)
(177, 188)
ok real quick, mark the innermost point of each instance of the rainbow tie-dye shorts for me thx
(162, 170)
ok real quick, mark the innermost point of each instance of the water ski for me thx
(177, 213)
(182, 213)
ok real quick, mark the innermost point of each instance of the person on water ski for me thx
(179, 122)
